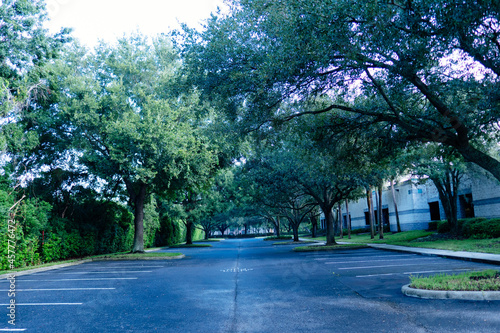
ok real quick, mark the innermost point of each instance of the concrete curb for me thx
(461, 295)
(144, 258)
(43, 269)
(487, 258)
(49, 268)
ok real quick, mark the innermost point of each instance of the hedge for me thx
(477, 227)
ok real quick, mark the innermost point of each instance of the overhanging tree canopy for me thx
(121, 120)
(428, 70)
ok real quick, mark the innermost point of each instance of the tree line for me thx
(270, 113)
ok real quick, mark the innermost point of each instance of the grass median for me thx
(488, 280)
(109, 256)
(426, 239)
(316, 248)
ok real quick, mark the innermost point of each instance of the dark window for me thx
(466, 206)
(385, 215)
(434, 208)
(345, 220)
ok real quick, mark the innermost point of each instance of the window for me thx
(466, 206)
(434, 208)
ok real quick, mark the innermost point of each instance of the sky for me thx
(108, 20)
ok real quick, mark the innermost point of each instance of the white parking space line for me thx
(115, 267)
(12, 329)
(363, 257)
(88, 279)
(103, 272)
(356, 261)
(420, 272)
(42, 304)
(382, 266)
(61, 289)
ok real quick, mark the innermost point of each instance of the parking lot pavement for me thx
(245, 286)
(378, 273)
(63, 293)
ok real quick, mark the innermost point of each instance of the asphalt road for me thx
(245, 286)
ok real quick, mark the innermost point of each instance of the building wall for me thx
(486, 195)
(414, 200)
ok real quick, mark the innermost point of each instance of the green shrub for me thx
(151, 223)
(51, 249)
(358, 231)
(169, 232)
(443, 227)
(433, 226)
(481, 228)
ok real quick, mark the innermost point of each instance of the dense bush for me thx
(169, 233)
(443, 227)
(481, 228)
(477, 227)
(151, 223)
(433, 226)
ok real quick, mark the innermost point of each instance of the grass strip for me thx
(189, 245)
(137, 255)
(488, 280)
(470, 245)
(271, 238)
(312, 248)
(49, 264)
(389, 238)
(292, 242)
(119, 255)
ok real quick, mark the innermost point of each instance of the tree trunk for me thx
(393, 183)
(448, 194)
(379, 212)
(189, 232)
(348, 219)
(485, 161)
(314, 224)
(330, 236)
(295, 232)
(139, 199)
(278, 226)
(370, 211)
(341, 224)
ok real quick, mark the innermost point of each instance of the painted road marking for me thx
(421, 272)
(356, 261)
(136, 266)
(384, 256)
(89, 279)
(106, 272)
(236, 270)
(41, 304)
(62, 289)
(382, 266)
(12, 329)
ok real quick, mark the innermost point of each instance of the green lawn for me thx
(488, 280)
(470, 245)
(189, 245)
(411, 238)
(120, 255)
(126, 255)
(313, 248)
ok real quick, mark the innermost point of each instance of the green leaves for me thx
(409, 68)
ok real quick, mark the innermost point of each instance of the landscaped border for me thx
(124, 257)
(449, 294)
(316, 248)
